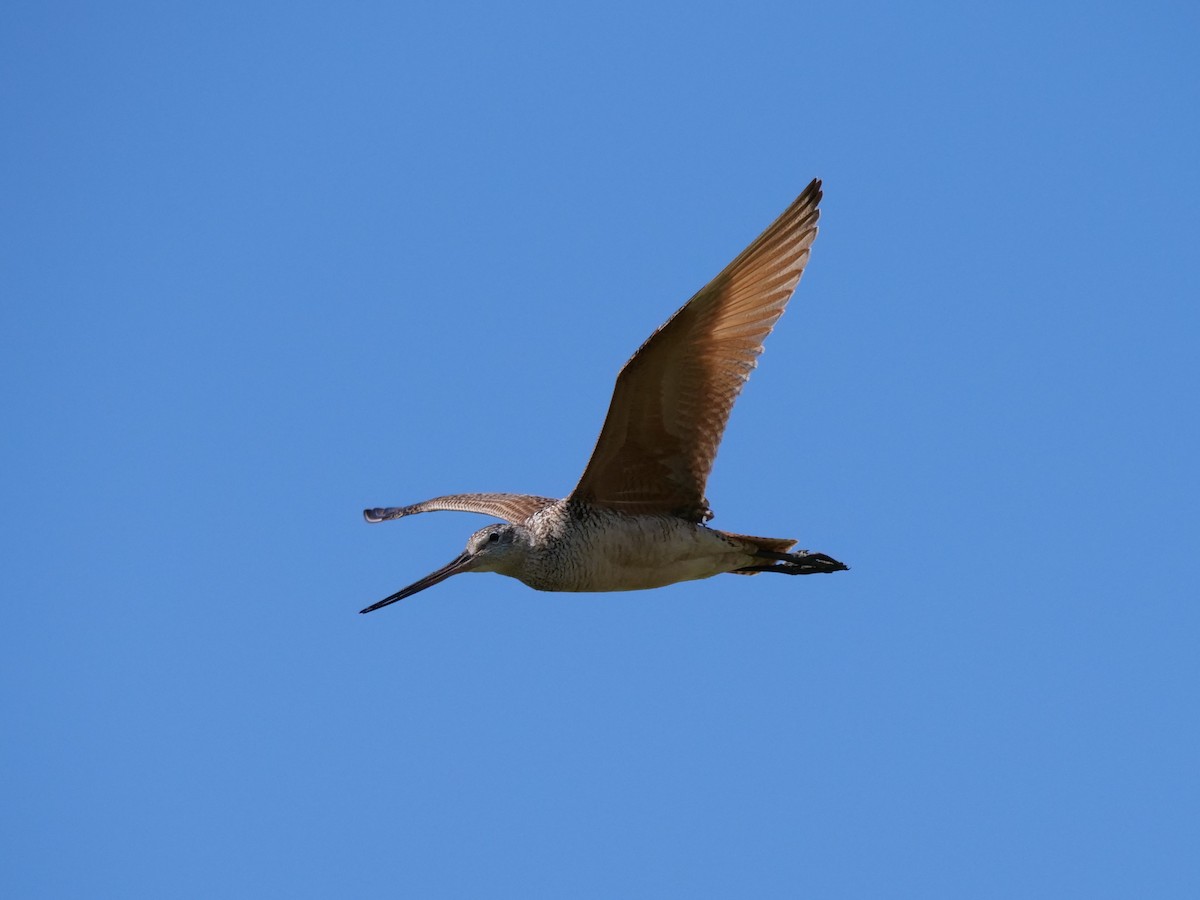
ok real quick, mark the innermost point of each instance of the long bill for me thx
(462, 564)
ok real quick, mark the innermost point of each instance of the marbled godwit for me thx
(637, 517)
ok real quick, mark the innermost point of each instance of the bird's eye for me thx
(493, 537)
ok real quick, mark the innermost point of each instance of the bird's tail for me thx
(766, 545)
(798, 562)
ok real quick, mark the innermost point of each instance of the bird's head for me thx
(496, 548)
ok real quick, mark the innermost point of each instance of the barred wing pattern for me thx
(673, 398)
(515, 508)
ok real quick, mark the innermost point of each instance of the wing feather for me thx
(673, 398)
(515, 508)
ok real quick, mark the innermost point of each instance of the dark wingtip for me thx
(373, 515)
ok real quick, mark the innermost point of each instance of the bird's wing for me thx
(515, 508)
(673, 398)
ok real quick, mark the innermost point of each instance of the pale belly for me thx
(633, 554)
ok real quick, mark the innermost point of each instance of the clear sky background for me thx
(264, 264)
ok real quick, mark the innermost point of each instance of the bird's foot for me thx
(801, 562)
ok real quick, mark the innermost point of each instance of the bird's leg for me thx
(800, 563)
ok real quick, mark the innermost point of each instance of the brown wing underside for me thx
(515, 508)
(673, 398)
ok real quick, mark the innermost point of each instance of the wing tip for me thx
(810, 197)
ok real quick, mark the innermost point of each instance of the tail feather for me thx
(798, 562)
(770, 545)
(763, 545)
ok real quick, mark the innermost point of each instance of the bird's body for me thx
(577, 547)
(636, 520)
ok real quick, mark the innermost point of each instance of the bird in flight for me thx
(637, 519)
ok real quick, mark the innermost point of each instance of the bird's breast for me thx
(615, 552)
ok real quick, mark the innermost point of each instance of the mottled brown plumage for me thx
(673, 398)
(636, 518)
(509, 507)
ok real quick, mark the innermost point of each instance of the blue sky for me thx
(266, 264)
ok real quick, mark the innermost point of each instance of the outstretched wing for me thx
(673, 398)
(515, 508)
